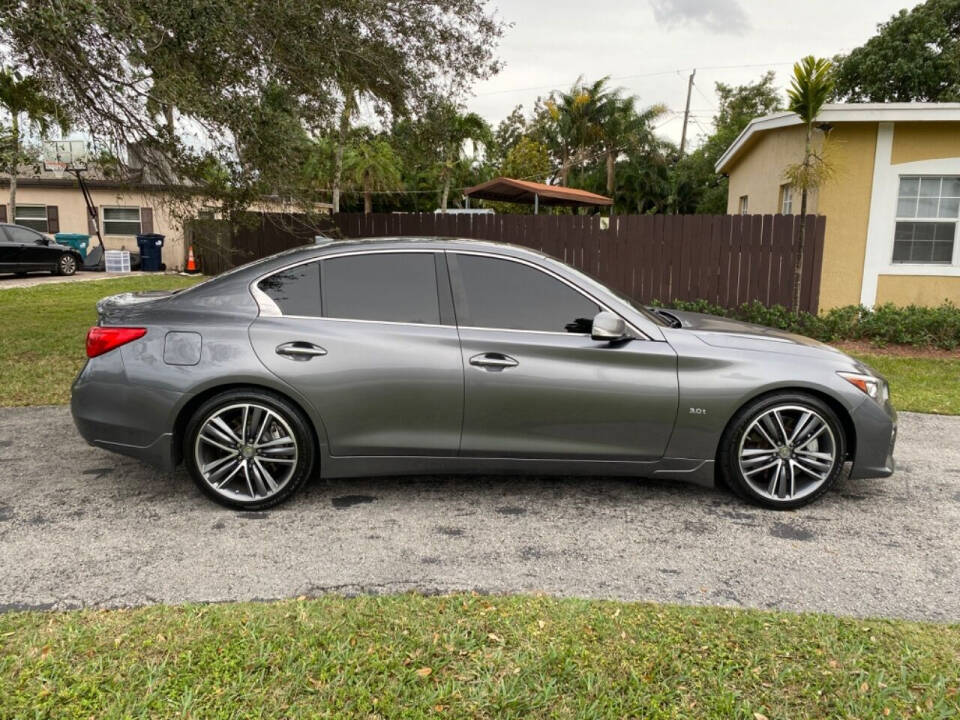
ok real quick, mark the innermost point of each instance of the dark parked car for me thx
(404, 356)
(24, 250)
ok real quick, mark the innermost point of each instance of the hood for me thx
(724, 332)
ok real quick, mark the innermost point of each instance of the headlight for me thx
(872, 386)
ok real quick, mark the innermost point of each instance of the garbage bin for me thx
(78, 241)
(151, 246)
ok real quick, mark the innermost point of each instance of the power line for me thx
(677, 71)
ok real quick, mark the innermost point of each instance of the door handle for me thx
(493, 360)
(300, 350)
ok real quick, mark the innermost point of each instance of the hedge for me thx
(882, 325)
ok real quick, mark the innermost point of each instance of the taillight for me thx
(105, 339)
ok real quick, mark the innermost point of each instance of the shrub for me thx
(884, 324)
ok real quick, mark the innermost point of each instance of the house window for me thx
(786, 199)
(32, 216)
(743, 204)
(121, 221)
(928, 208)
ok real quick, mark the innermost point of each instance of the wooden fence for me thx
(724, 259)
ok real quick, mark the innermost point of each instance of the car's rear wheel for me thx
(66, 265)
(783, 451)
(248, 449)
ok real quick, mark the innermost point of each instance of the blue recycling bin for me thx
(151, 247)
(78, 241)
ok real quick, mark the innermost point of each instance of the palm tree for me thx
(346, 114)
(809, 90)
(622, 128)
(576, 117)
(373, 166)
(24, 98)
(458, 129)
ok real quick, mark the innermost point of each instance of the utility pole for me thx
(686, 113)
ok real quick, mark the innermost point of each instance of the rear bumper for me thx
(129, 419)
(876, 429)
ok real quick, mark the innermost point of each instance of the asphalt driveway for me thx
(82, 527)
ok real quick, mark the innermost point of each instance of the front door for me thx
(371, 341)
(34, 254)
(537, 386)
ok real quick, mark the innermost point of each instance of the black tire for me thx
(728, 457)
(292, 416)
(67, 264)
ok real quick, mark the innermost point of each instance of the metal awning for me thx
(505, 189)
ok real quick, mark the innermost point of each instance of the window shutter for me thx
(53, 219)
(91, 225)
(146, 220)
(3, 213)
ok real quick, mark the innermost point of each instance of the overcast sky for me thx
(649, 47)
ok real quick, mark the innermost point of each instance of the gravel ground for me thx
(81, 527)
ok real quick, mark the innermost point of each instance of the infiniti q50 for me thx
(405, 355)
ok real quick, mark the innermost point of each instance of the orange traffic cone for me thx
(191, 261)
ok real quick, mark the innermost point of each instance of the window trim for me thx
(46, 217)
(268, 308)
(104, 221)
(455, 279)
(785, 189)
(743, 205)
(897, 218)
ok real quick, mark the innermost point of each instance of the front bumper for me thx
(876, 433)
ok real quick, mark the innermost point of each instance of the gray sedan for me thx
(407, 356)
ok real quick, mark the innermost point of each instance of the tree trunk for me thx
(341, 143)
(367, 194)
(611, 172)
(801, 234)
(14, 166)
(446, 192)
(564, 167)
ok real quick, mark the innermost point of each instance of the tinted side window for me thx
(21, 234)
(509, 295)
(389, 287)
(296, 290)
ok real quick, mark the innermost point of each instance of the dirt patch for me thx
(867, 348)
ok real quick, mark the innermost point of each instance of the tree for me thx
(699, 187)
(457, 129)
(809, 90)
(373, 166)
(25, 99)
(120, 66)
(914, 57)
(623, 129)
(575, 117)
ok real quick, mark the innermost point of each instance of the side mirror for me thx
(43, 241)
(608, 327)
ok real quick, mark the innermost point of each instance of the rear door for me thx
(370, 339)
(537, 386)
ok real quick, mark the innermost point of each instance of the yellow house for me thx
(892, 206)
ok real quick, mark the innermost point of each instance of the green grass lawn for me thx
(930, 385)
(42, 333)
(465, 656)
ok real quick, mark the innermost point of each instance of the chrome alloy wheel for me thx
(787, 453)
(68, 264)
(246, 452)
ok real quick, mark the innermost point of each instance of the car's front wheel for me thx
(783, 451)
(67, 264)
(248, 449)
